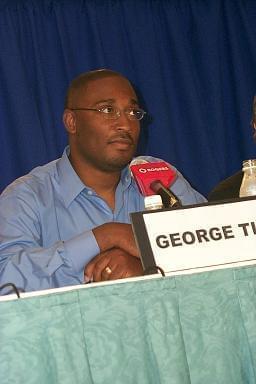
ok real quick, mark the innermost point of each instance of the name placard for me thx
(197, 238)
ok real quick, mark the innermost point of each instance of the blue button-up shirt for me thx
(46, 222)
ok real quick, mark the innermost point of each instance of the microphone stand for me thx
(168, 198)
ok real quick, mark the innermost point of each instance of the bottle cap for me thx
(249, 164)
(153, 202)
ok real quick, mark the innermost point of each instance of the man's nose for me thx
(123, 122)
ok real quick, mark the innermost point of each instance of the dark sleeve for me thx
(227, 189)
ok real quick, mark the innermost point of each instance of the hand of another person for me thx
(116, 235)
(113, 264)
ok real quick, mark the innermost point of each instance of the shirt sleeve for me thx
(185, 192)
(181, 187)
(24, 258)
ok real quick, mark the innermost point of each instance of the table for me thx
(195, 329)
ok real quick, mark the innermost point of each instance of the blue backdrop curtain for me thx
(192, 60)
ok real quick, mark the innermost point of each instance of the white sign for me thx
(199, 238)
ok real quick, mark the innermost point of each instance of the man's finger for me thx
(88, 271)
(101, 266)
(116, 273)
(107, 273)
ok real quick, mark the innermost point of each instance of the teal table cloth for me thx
(198, 329)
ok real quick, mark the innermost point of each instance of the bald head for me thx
(81, 82)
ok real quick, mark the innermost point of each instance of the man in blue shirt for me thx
(68, 220)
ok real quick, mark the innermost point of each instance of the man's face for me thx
(105, 144)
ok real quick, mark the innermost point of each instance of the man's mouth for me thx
(126, 141)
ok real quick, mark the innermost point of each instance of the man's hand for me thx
(113, 264)
(116, 235)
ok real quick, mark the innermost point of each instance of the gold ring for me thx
(108, 270)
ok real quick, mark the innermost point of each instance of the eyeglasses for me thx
(113, 113)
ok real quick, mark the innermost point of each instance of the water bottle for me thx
(153, 202)
(248, 185)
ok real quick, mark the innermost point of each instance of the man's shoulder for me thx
(148, 158)
(37, 179)
(44, 171)
(152, 159)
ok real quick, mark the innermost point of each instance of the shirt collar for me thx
(126, 177)
(70, 183)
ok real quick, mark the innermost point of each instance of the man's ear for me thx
(69, 120)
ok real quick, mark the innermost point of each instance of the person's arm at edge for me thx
(24, 262)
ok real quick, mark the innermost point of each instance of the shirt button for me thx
(89, 192)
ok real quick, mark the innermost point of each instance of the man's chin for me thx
(117, 164)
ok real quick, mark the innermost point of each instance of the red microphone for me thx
(155, 178)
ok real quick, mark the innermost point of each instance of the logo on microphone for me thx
(145, 170)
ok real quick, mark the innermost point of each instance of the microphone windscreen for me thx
(145, 173)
